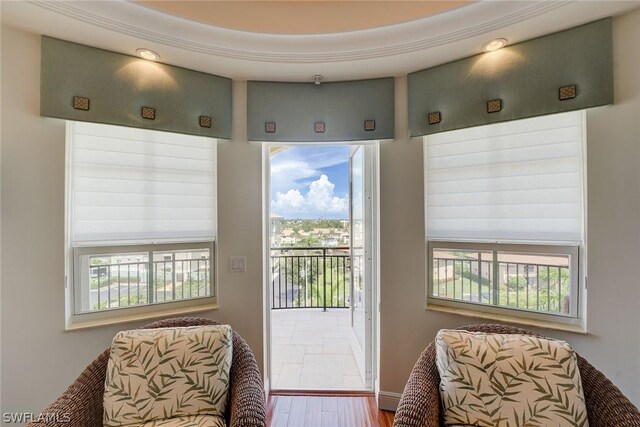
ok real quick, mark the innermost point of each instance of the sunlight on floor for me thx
(311, 350)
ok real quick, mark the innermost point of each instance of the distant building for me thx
(308, 232)
(276, 227)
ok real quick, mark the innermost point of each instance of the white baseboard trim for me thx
(388, 401)
(267, 386)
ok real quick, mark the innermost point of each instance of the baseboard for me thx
(325, 393)
(388, 401)
(267, 386)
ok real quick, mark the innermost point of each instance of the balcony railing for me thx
(310, 277)
(124, 280)
(542, 287)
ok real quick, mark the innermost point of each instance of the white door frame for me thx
(374, 289)
(266, 261)
(366, 360)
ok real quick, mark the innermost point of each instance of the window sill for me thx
(537, 323)
(75, 323)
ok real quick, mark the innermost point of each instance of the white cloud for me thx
(319, 200)
(289, 174)
(292, 199)
(299, 167)
(321, 197)
(295, 167)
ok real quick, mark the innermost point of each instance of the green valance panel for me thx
(306, 112)
(88, 84)
(564, 71)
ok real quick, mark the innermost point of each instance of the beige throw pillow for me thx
(501, 380)
(154, 374)
(190, 421)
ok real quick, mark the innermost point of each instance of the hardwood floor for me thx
(326, 411)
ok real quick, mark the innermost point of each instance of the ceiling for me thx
(375, 51)
(302, 16)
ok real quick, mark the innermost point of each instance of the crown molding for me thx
(394, 50)
(147, 24)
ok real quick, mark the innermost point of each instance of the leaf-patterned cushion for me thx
(508, 380)
(154, 374)
(190, 421)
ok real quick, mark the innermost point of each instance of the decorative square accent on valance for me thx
(86, 84)
(330, 112)
(494, 106)
(270, 127)
(80, 103)
(148, 113)
(434, 118)
(568, 92)
(205, 121)
(369, 125)
(533, 78)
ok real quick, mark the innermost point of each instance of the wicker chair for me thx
(81, 404)
(420, 402)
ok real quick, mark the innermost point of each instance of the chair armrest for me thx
(606, 405)
(420, 402)
(81, 404)
(247, 403)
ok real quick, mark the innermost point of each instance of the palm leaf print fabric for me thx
(155, 374)
(191, 421)
(501, 380)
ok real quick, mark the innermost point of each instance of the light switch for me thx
(238, 264)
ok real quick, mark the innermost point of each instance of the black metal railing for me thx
(126, 284)
(310, 277)
(530, 286)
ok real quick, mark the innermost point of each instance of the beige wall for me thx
(39, 360)
(613, 343)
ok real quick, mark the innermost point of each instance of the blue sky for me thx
(311, 182)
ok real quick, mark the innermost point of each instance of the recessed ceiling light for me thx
(494, 45)
(147, 54)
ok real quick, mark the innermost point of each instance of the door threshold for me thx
(323, 393)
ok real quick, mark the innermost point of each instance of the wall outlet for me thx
(238, 264)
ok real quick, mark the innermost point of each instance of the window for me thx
(141, 219)
(504, 216)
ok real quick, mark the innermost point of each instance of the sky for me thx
(311, 182)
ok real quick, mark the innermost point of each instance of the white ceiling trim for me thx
(394, 50)
(147, 24)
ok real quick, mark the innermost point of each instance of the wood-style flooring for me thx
(326, 411)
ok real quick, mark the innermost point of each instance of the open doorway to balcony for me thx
(320, 272)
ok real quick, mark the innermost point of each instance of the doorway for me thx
(320, 266)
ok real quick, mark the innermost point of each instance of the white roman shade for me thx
(141, 186)
(513, 181)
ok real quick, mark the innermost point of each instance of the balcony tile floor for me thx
(311, 351)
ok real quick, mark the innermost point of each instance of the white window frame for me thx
(573, 251)
(576, 322)
(74, 319)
